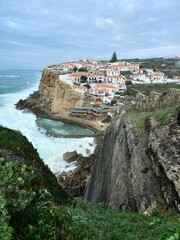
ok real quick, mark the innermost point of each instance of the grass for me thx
(138, 117)
(41, 209)
(163, 116)
(15, 142)
(107, 224)
(133, 89)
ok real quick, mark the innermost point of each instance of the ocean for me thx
(18, 84)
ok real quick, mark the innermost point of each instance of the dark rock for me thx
(70, 156)
(76, 191)
(178, 118)
(132, 175)
(76, 180)
(88, 151)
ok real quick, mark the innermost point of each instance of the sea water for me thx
(18, 84)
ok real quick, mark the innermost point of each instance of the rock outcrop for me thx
(75, 181)
(70, 156)
(136, 176)
(54, 97)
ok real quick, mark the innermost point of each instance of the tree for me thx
(114, 57)
(75, 69)
(82, 69)
(83, 79)
(128, 82)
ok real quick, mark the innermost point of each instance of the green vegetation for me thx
(34, 206)
(139, 117)
(82, 69)
(164, 115)
(83, 79)
(166, 65)
(19, 146)
(133, 89)
(113, 58)
(128, 82)
(75, 69)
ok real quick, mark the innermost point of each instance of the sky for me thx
(37, 33)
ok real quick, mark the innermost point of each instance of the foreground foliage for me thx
(34, 206)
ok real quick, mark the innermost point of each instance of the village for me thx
(103, 81)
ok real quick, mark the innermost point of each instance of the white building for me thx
(104, 89)
(79, 89)
(112, 72)
(116, 79)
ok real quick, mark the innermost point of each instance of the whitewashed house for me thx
(116, 79)
(76, 77)
(104, 89)
(79, 89)
(112, 72)
(122, 87)
(158, 77)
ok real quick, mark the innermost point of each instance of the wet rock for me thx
(75, 181)
(70, 156)
(88, 151)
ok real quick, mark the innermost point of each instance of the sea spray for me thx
(18, 85)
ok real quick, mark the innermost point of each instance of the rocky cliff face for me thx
(53, 96)
(130, 175)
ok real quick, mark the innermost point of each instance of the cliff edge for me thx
(130, 174)
(53, 96)
(53, 99)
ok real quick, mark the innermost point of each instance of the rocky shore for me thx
(54, 97)
(75, 181)
(43, 103)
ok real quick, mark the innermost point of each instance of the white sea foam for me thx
(49, 148)
(10, 76)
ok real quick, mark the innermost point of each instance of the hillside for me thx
(166, 65)
(34, 206)
(133, 89)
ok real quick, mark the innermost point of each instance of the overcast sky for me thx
(36, 33)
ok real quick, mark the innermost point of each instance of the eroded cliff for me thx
(130, 174)
(54, 97)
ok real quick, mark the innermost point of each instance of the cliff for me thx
(158, 100)
(61, 95)
(131, 174)
(34, 206)
(53, 97)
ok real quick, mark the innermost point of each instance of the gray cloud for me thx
(40, 32)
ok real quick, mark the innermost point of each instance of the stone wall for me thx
(157, 100)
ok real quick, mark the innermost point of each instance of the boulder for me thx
(70, 156)
(75, 181)
(88, 151)
(76, 191)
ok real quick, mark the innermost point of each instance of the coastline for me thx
(52, 99)
(96, 126)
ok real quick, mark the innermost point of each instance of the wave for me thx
(50, 149)
(10, 76)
